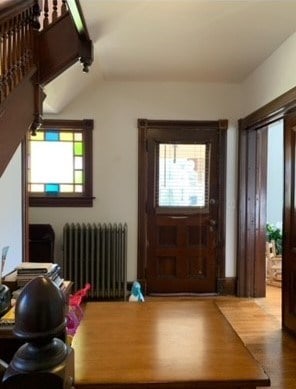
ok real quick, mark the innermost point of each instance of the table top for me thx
(171, 343)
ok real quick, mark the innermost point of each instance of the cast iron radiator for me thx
(96, 253)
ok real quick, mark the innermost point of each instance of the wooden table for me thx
(175, 344)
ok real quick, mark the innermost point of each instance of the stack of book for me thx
(26, 271)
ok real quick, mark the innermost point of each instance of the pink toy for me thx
(75, 313)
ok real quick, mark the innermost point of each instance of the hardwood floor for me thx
(258, 323)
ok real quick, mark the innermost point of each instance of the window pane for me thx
(182, 175)
(51, 162)
(78, 188)
(59, 161)
(52, 188)
(78, 148)
(51, 136)
(66, 136)
(78, 177)
(78, 163)
(66, 188)
(78, 136)
(36, 188)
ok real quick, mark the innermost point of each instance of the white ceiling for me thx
(176, 40)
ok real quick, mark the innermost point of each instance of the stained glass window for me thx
(59, 163)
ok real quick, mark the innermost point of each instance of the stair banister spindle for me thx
(10, 56)
(4, 60)
(46, 11)
(21, 49)
(54, 10)
(21, 45)
(64, 7)
(1, 69)
(14, 53)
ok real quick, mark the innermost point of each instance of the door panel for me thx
(183, 204)
(181, 254)
(289, 226)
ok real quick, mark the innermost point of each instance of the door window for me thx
(182, 175)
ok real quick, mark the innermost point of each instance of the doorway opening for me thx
(274, 203)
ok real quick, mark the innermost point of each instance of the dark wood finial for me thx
(45, 361)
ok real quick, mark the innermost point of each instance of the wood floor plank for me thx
(258, 324)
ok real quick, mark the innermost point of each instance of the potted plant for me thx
(274, 233)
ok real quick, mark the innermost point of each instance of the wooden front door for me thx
(183, 206)
(289, 225)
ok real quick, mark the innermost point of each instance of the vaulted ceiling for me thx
(175, 40)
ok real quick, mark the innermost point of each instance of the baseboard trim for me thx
(227, 286)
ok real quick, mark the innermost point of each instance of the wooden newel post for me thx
(45, 361)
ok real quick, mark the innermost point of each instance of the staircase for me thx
(38, 41)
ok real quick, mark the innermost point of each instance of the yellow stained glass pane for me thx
(78, 136)
(37, 188)
(66, 136)
(78, 188)
(78, 177)
(39, 136)
(66, 188)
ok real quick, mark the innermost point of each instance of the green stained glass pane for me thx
(78, 177)
(78, 148)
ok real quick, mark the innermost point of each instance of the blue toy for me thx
(136, 293)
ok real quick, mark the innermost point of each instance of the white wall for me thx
(271, 79)
(11, 212)
(275, 173)
(115, 108)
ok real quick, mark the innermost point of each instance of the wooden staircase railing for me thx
(51, 11)
(17, 20)
(38, 41)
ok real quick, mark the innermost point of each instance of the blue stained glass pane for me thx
(52, 136)
(50, 188)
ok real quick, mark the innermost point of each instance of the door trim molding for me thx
(143, 126)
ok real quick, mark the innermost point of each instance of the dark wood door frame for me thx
(252, 211)
(143, 127)
(252, 193)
